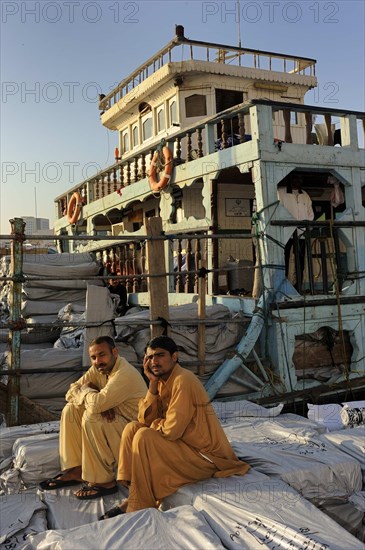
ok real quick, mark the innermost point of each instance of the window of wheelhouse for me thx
(195, 105)
(135, 135)
(125, 141)
(160, 119)
(147, 127)
(145, 112)
(173, 116)
(294, 118)
(224, 99)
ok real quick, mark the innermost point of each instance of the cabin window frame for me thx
(144, 118)
(160, 109)
(195, 101)
(135, 143)
(170, 101)
(123, 135)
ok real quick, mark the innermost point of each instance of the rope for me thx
(338, 300)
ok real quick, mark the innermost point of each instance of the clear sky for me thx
(56, 56)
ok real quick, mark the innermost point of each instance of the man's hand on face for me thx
(108, 415)
(147, 371)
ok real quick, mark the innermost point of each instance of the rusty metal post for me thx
(15, 319)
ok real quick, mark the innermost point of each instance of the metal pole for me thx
(17, 232)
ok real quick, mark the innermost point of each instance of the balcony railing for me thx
(182, 49)
(201, 140)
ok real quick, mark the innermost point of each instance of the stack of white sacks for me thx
(303, 491)
(55, 286)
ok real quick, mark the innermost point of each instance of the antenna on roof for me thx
(239, 23)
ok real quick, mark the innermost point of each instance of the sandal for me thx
(116, 511)
(57, 483)
(99, 491)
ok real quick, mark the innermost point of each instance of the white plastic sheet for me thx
(220, 337)
(51, 384)
(20, 515)
(65, 511)
(257, 512)
(182, 528)
(36, 458)
(228, 410)
(9, 435)
(292, 450)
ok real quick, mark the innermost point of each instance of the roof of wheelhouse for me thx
(183, 50)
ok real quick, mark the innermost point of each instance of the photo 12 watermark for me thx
(48, 172)
(70, 12)
(50, 92)
(270, 12)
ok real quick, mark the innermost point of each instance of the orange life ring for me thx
(74, 208)
(158, 185)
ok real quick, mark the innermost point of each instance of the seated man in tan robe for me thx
(100, 404)
(178, 438)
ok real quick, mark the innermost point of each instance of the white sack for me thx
(42, 385)
(329, 415)
(65, 511)
(53, 285)
(9, 435)
(37, 458)
(39, 307)
(182, 528)
(54, 295)
(350, 441)
(99, 308)
(268, 514)
(77, 271)
(293, 451)
(228, 410)
(20, 515)
(61, 259)
(220, 337)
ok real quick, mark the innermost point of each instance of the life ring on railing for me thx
(158, 185)
(74, 208)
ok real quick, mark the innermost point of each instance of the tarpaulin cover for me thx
(36, 458)
(20, 515)
(51, 384)
(221, 337)
(181, 528)
(9, 435)
(288, 447)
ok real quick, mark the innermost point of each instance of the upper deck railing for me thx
(200, 140)
(182, 49)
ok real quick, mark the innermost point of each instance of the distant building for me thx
(36, 226)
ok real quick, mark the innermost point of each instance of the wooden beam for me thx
(157, 284)
(201, 317)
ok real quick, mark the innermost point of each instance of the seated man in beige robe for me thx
(178, 438)
(100, 405)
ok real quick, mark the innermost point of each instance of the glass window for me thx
(135, 139)
(293, 117)
(173, 112)
(160, 119)
(195, 105)
(147, 128)
(125, 141)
